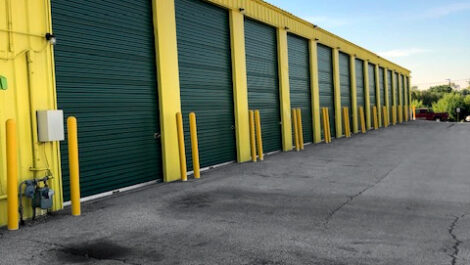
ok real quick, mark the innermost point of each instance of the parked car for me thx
(427, 114)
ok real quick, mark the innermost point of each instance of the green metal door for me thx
(372, 88)
(395, 98)
(325, 81)
(360, 95)
(345, 83)
(382, 86)
(299, 82)
(389, 85)
(106, 77)
(263, 82)
(203, 36)
(402, 89)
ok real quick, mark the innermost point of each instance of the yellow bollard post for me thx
(363, 122)
(252, 136)
(258, 135)
(12, 175)
(300, 128)
(323, 117)
(328, 124)
(376, 123)
(348, 123)
(296, 130)
(414, 113)
(179, 126)
(74, 168)
(345, 126)
(194, 144)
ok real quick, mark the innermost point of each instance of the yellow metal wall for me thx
(26, 61)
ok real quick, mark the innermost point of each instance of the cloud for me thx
(446, 10)
(403, 52)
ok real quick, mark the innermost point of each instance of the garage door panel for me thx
(389, 84)
(326, 88)
(262, 80)
(372, 86)
(204, 58)
(359, 64)
(345, 83)
(109, 84)
(299, 82)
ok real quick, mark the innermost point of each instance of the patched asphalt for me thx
(393, 196)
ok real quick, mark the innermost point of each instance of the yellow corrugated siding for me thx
(29, 21)
(277, 17)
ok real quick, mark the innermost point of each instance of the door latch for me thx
(157, 136)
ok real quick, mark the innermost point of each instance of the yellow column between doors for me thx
(315, 91)
(352, 66)
(284, 94)
(240, 90)
(168, 84)
(337, 95)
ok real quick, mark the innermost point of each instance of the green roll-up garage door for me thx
(395, 97)
(299, 82)
(382, 86)
(372, 88)
(402, 88)
(203, 36)
(345, 82)
(263, 82)
(360, 95)
(326, 87)
(407, 88)
(106, 77)
(389, 85)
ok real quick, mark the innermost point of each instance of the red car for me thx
(426, 114)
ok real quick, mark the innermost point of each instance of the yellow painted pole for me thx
(194, 144)
(344, 122)
(325, 129)
(414, 113)
(12, 175)
(328, 124)
(182, 152)
(384, 115)
(300, 128)
(252, 136)
(363, 121)
(74, 168)
(376, 123)
(394, 115)
(348, 122)
(296, 131)
(258, 135)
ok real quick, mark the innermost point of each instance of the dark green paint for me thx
(360, 95)
(106, 77)
(263, 82)
(372, 87)
(389, 85)
(203, 36)
(345, 83)
(299, 82)
(325, 82)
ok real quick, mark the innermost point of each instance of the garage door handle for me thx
(233, 127)
(157, 136)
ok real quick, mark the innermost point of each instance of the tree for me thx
(417, 104)
(441, 89)
(449, 103)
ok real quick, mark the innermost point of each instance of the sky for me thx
(429, 37)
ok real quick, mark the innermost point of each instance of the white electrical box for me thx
(50, 125)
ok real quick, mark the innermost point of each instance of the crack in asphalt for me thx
(455, 247)
(351, 198)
